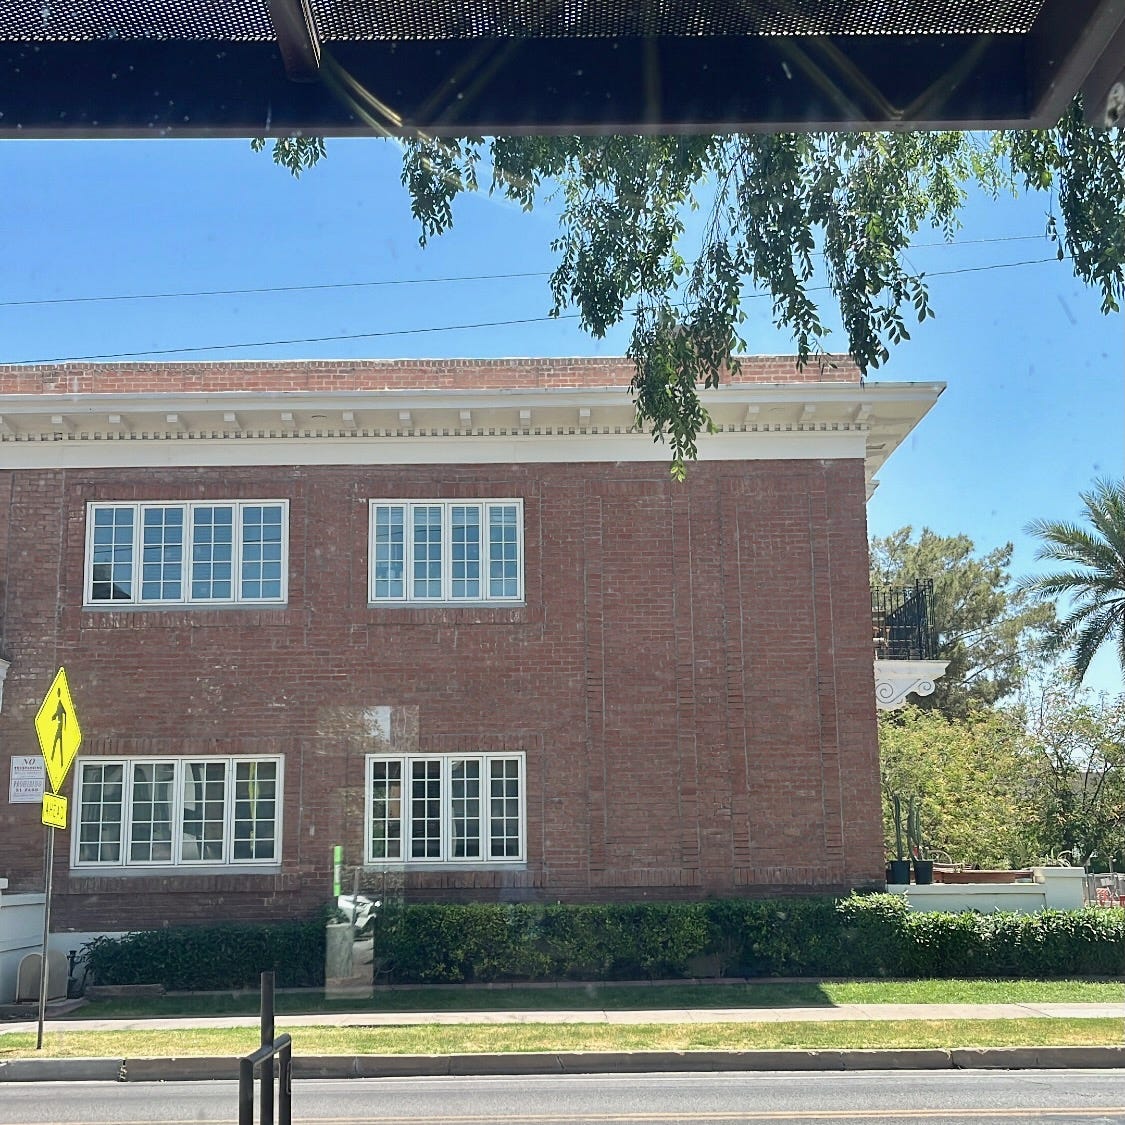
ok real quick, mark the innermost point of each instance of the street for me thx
(875, 1097)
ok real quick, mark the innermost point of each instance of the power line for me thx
(111, 297)
(981, 241)
(302, 340)
(443, 328)
(266, 289)
(996, 266)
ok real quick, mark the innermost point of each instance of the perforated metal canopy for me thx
(223, 67)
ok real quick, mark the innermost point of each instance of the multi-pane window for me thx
(446, 551)
(445, 808)
(178, 812)
(152, 553)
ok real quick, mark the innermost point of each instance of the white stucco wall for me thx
(1051, 888)
(21, 932)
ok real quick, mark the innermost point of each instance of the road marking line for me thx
(1028, 1114)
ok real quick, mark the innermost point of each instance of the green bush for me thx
(872, 935)
(212, 957)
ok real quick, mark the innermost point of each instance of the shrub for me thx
(873, 935)
(212, 957)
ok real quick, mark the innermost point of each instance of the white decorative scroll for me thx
(4, 666)
(896, 679)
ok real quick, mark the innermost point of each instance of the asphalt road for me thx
(875, 1097)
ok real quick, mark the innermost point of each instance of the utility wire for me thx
(266, 289)
(303, 340)
(443, 327)
(37, 301)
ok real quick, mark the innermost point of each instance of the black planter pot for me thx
(923, 871)
(898, 871)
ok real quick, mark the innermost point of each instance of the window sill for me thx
(177, 607)
(448, 867)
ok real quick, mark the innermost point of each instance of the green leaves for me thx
(785, 213)
(1011, 786)
(1086, 166)
(971, 774)
(297, 154)
(218, 956)
(1094, 614)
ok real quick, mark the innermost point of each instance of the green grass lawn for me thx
(805, 994)
(433, 1039)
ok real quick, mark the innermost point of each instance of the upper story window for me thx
(153, 552)
(177, 812)
(446, 551)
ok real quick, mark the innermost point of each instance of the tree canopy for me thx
(986, 628)
(773, 204)
(969, 778)
(1076, 756)
(1013, 785)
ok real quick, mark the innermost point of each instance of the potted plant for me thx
(923, 865)
(898, 870)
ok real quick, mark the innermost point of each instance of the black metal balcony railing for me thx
(902, 624)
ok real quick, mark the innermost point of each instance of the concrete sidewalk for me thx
(604, 1016)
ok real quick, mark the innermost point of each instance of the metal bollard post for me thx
(267, 1039)
(245, 1092)
(285, 1086)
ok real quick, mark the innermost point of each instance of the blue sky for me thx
(1034, 410)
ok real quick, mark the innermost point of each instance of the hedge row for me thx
(862, 936)
(198, 958)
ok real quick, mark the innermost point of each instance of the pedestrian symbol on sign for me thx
(60, 728)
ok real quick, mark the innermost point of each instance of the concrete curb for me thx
(60, 1070)
(202, 1068)
(1038, 1058)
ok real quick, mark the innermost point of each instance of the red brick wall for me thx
(691, 679)
(391, 374)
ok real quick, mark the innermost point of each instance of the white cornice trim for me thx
(442, 426)
(366, 448)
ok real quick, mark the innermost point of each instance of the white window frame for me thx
(445, 859)
(179, 781)
(188, 507)
(446, 596)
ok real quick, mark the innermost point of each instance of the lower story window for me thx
(445, 808)
(178, 812)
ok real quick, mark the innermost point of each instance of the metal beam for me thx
(297, 38)
(1102, 103)
(153, 88)
(1071, 42)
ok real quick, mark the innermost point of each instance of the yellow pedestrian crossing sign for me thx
(56, 724)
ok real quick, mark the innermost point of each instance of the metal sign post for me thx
(60, 736)
(46, 935)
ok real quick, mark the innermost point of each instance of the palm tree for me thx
(1096, 614)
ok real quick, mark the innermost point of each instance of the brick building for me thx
(452, 615)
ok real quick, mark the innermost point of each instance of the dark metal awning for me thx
(101, 68)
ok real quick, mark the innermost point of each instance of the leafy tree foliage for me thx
(1014, 785)
(1076, 754)
(985, 628)
(970, 777)
(1096, 589)
(774, 202)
